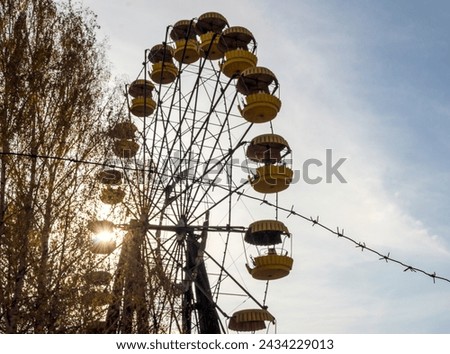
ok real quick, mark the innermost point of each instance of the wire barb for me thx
(291, 212)
(264, 201)
(361, 245)
(314, 221)
(386, 258)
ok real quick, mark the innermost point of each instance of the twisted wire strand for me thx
(314, 221)
(340, 234)
(69, 159)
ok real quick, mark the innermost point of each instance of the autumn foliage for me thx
(53, 84)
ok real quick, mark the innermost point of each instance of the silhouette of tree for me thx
(53, 102)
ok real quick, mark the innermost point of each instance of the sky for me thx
(370, 81)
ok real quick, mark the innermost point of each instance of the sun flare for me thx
(104, 236)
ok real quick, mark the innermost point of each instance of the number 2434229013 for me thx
(296, 344)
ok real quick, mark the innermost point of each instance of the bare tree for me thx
(53, 104)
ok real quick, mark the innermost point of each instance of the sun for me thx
(104, 236)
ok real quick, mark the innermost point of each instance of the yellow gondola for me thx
(256, 79)
(209, 46)
(112, 195)
(234, 42)
(123, 130)
(210, 26)
(187, 51)
(110, 176)
(260, 107)
(163, 70)
(270, 267)
(268, 148)
(250, 320)
(236, 61)
(160, 52)
(186, 46)
(141, 87)
(125, 149)
(164, 73)
(236, 37)
(265, 232)
(211, 22)
(142, 106)
(272, 178)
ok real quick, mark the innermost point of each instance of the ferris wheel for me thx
(178, 163)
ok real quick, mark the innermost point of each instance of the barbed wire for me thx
(75, 160)
(314, 221)
(340, 234)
